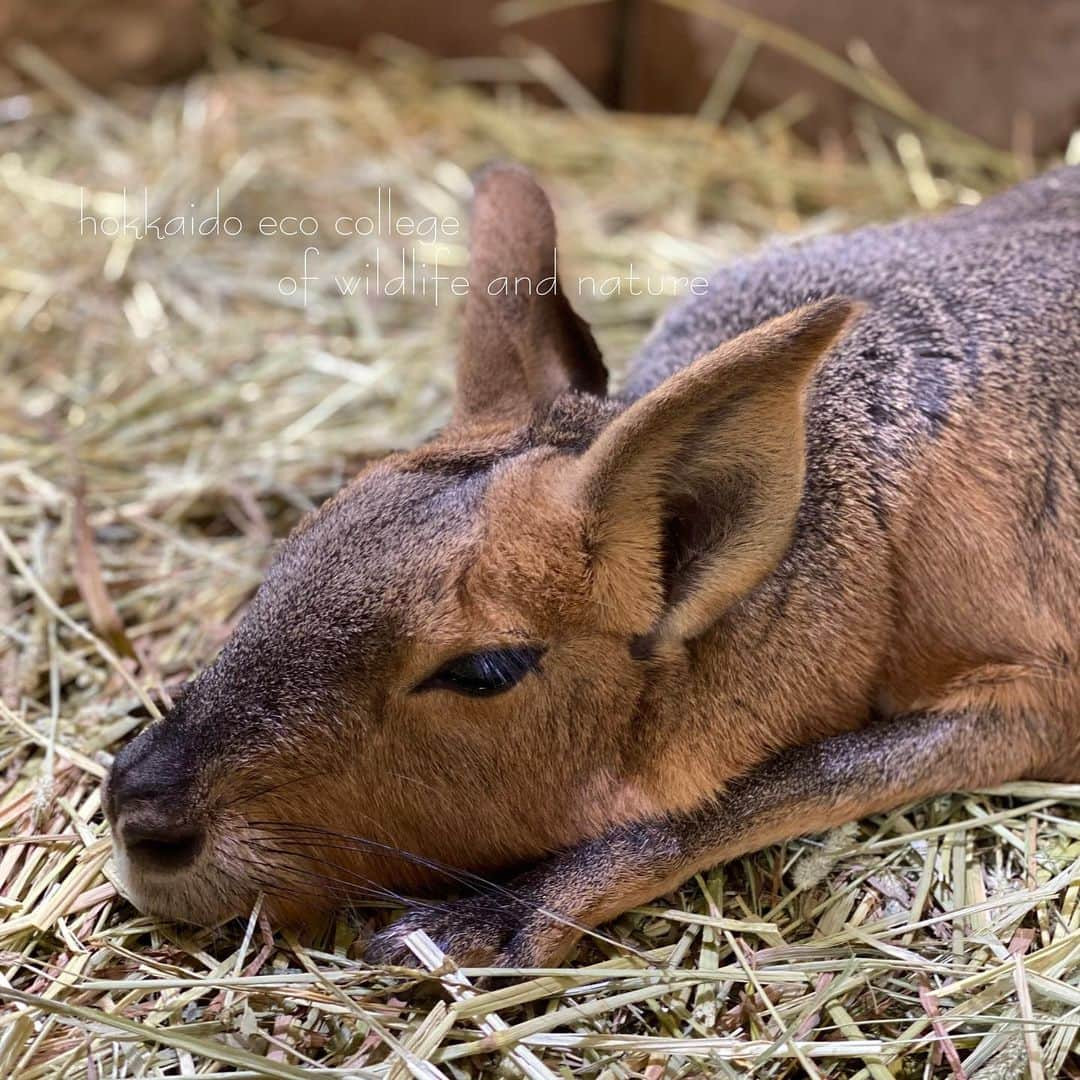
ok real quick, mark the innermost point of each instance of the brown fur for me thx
(817, 561)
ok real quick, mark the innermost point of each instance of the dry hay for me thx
(166, 412)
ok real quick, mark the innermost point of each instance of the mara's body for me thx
(819, 559)
(937, 553)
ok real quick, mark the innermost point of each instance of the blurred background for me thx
(1006, 72)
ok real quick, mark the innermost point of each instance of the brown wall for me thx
(101, 41)
(1006, 70)
(998, 69)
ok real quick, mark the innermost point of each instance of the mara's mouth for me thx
(210, 888)
(196, 894)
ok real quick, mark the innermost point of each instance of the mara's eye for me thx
(482, 674)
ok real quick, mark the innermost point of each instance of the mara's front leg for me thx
(537, 918)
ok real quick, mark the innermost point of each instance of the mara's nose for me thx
(149, 805)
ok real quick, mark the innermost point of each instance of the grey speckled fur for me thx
(952, 298)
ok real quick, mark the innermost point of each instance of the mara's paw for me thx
(472, 931)
(478, 931)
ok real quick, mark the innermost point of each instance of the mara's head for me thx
(450, 663)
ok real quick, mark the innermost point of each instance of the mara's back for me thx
(943, 441)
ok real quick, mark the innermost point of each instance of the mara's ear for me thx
(696, 486)
(523, 344)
